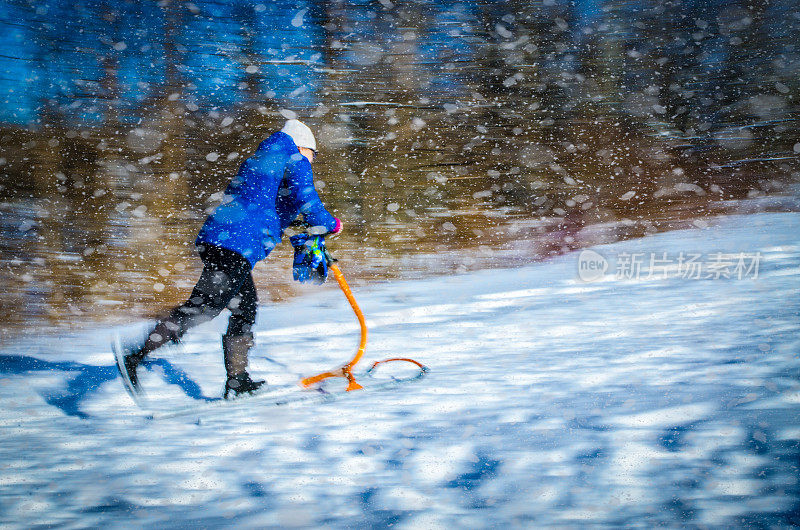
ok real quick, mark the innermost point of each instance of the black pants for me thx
(226, 282)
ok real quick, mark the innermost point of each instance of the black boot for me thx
(240, 384)
(132, 361)
(166, 331)
(235, 348)
(128, 359)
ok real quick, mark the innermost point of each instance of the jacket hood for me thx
(278, 140)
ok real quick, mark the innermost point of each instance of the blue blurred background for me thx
(454, 135)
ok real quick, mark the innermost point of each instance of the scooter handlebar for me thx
(303, 227)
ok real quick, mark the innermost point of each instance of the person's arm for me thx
(301, 184)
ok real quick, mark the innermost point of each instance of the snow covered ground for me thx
(550, 401)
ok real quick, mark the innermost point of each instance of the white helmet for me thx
(300, 133)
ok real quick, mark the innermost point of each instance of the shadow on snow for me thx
(85, 379)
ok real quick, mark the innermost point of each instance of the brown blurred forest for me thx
(451, 137)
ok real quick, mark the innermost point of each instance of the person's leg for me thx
(243, 306)
(224, 272)
(238, 340)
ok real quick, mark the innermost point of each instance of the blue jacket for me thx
(272, 187)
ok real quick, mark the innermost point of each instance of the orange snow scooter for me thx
(346, 371)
